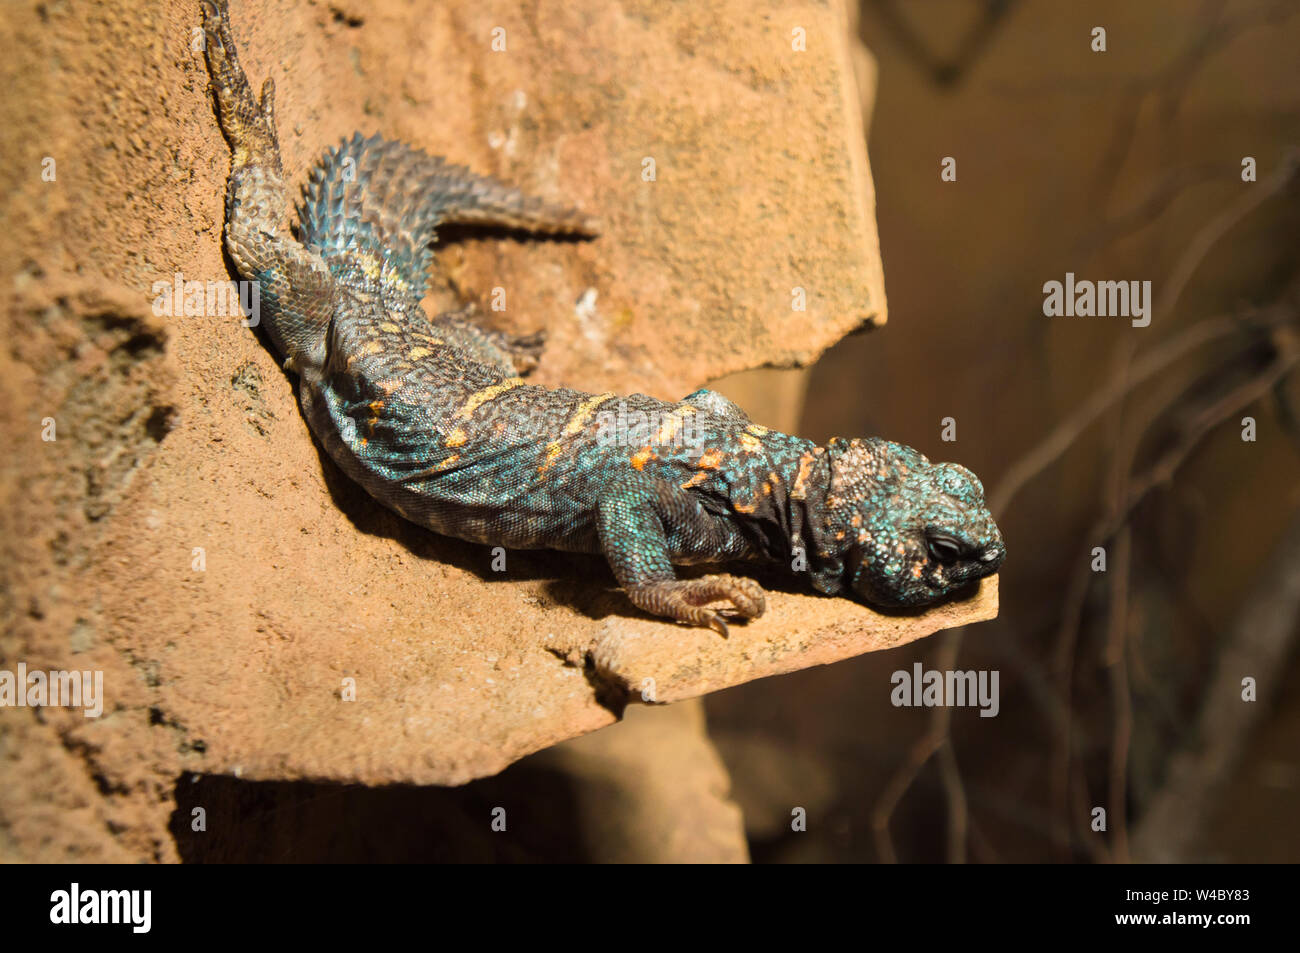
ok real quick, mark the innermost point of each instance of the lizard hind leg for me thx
(295, 290)
(249, 123)
(510, 353)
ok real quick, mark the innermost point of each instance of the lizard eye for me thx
(944, 549)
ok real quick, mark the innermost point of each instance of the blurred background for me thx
(1120, 689)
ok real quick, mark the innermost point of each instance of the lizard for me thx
(431, 416)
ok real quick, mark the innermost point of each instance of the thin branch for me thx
(1161, 356)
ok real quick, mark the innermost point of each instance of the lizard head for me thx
(899, 530)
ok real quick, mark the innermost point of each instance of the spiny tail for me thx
(384, 200)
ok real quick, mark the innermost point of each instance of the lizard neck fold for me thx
(826, 521)
(792, 522)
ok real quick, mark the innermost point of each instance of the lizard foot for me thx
(686, 600)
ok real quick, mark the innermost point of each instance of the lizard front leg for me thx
(642, 522)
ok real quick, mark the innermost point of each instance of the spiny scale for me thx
(377, 201)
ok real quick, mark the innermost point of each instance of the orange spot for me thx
(642, 457)
(710, 460)
(695, 480)
(390, 385)
(456, 438)
(437, 467)
(805, 464)
(916, 571)
(552, 451)
(742, 508)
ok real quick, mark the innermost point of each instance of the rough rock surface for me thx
(184, 535)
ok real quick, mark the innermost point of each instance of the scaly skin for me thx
(430, 416)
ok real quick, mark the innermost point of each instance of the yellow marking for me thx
(642, 457)
(416, 353)
(437, 467)
(371, 347)
(390, 327)
(581, 416)
(552, 451)
(479, 398)
(750, 442)
(390, 385)
(672, 423)
(456, 438)
(583, 413)
(805, 464)
(756, 431)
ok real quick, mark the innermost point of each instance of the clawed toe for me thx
(686, 599)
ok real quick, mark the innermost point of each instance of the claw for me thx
(268, 101)
(684, 600)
